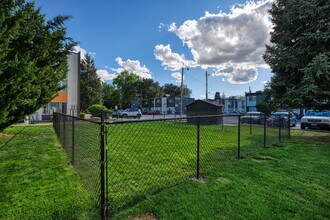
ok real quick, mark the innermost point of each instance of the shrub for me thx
(82, 115)
(96, 109)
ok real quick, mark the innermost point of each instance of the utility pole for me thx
(181, 92)
(206, 75)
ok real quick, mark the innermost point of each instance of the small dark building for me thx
(203, 108)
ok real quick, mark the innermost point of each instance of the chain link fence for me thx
(123, 162)
(81, 141)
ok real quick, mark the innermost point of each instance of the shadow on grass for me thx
(7, 142)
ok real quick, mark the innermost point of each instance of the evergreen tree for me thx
(33, 59)
(299, 55)
(90, 84)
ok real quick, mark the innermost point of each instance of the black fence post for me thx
(279, 129)
(239, 139)
(64, 136)
(106, 173)
(222, 123)
(250, 123)
(198, 148)
(72, 133)
(265, 122)
(102, 199)
(289, 124)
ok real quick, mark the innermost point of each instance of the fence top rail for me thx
(81, 119)
(170, 119)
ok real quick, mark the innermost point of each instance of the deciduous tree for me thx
(175, 91)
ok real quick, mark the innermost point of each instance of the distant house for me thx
(204, 108)
(68, 100)
(231, 104)
(252, 99)
(164, 105)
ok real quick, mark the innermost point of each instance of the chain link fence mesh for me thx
(143, 157)
(80, 140)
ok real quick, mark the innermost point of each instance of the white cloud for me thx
(92, 54)
(238, 75)
(177, 76)
(236, 39)
(264, 82)
(83, 52)
(132, 66)
(223, 80)
(105, 75)
(160, 26)
(170, 60)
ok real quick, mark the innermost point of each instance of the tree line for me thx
(124, 88)
(33, 61)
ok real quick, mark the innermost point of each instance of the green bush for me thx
(96, 109)
(82, 115)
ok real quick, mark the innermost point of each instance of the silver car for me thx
(316, 119)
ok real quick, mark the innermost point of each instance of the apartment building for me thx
(68, 100)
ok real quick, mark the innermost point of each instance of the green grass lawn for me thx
(36, 181)
(151, 170)
(148, 157)
(286, 181)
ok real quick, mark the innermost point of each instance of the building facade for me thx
(164, 105)
(252, 99)
(68, 99)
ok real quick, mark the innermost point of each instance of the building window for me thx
(253, 98)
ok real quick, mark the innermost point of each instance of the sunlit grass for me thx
(36, 181)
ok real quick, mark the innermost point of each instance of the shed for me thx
(204, 108)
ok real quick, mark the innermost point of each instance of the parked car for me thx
(117, 113)
(275, 117)
(131, 112)
(152, 112)
(253, 118)
(234, 113)
(316, 119)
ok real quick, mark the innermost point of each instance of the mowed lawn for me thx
(290, 180)
(36, 181)
(149, 156)
(151, 173)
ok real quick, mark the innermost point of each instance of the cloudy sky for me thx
(155, 39)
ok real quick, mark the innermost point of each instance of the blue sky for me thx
(156, 38)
